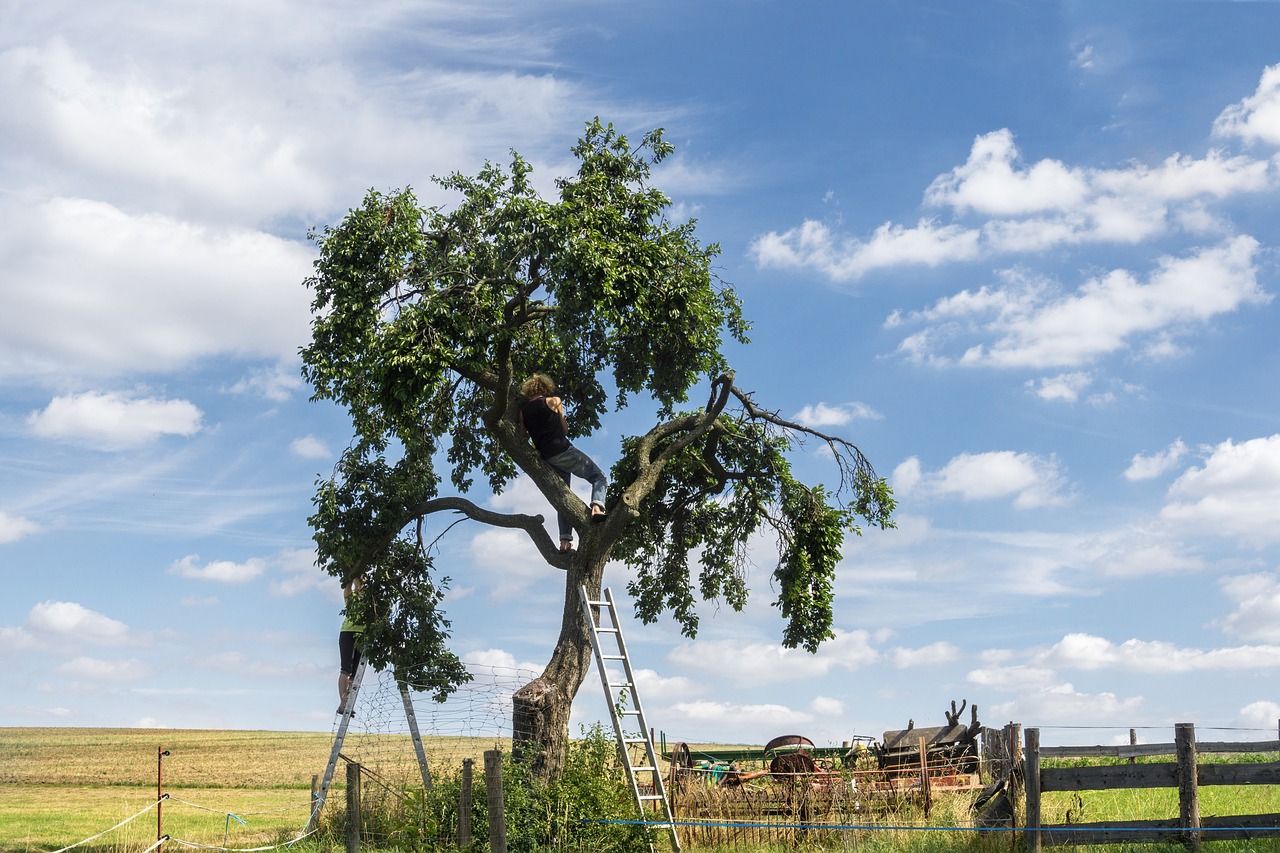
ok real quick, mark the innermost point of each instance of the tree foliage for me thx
(426, 319)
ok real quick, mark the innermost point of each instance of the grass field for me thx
(59, 786)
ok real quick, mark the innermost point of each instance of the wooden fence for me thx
(1187, 774)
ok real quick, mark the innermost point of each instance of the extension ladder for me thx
(347, 712)
(619, 711)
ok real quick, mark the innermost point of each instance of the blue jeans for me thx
(574, 462)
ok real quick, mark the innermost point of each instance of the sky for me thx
(1023, 254)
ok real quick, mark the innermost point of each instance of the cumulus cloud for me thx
(67, 620)
(1257, 117)
(1257, 607)
(1026, 208)
(1024, 322)
(764, 663)
(1088, 652)
(14, 527)
(112, 421)
(1235, 492)
(1144, 467)
(814, 245)
(165, 292)
(820, 415)
(934, 654)
(218, 571)
(295, 572)
(310, 447)
(1063, 704)
(1065, 386)
(95, 669)
(1032, 481)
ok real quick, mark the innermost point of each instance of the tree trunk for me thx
(540, 709)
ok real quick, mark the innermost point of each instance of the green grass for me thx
(60, 786)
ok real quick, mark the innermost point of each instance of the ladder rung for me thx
(644, 769)
(607, 631)
(651, 797)
(601, 603)
(613, 657)
(635, 740)
(632, 713)
(621, 684)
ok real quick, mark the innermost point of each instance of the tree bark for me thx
(540, 709)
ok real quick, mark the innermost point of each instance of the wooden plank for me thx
(1111, 832)
(1228, 828)
(1239, 774)
(1151, 750)
(1245, 748)
(1114, 776)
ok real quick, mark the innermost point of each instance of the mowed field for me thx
(59, 786)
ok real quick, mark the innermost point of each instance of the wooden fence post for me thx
(1031, 763)
(924, 775)
(493, 790)
(464, 806)
(1184, 739)
(353, 807)
(1133, 741)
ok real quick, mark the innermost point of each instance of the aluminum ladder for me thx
(341, 735)
(624, 707)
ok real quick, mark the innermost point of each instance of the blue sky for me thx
(1022, 253)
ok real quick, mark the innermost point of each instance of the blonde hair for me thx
(538, 385)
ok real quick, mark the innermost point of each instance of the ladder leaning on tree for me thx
(619, 711)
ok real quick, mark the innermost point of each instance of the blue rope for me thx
(831, 826)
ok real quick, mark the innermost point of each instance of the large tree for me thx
(426, 320)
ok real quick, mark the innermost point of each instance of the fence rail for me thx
(1186, 774)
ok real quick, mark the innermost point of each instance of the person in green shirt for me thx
(348, 645)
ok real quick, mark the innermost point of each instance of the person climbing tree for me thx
(424, 320)
(543, 419)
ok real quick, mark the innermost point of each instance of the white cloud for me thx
(1257, 117)
(1025, 323)
(95, 669)
(751, 716)
(813, 245)
(113, 421)
(67, 620)
(934, 654)
(906, 476)
(1087, 652)
(164, 292)
(1236, 492)
(1257, 614)
(218, 571)
(14, 527)
(1065, 386)
(821, 415)
(764, 663)
(1145, 467)
(296, 572)
(1033, 481)
(990, 183)
(1262, 713)
(277, 383)
(1027, 209)
(1063, 704)
(310, 447)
